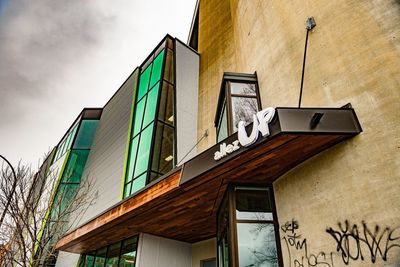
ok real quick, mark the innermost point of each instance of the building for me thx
(240, 149)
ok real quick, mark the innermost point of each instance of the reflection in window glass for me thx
(223, 230)
(128, 253)
(113, 255)
(74, 167)
(223, 125)
(139, 183)
(138, 117)
(144, 151)
(100, 258)
(163, 149)
(89, 261)
(144, 82)
(253, 204)
(121, 254)
(169, 67)
(243, 88)
(209, 263)
(166, 111)
(151, 106)
(243, 109)
(256, 245)
(157, 69)
(132, 158)
(86, 134)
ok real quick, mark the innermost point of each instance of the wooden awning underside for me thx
(186, 211)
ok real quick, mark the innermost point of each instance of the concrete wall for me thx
(154, 251)
(353, 56)
(187, 84)
(66, 259)
(203, 250)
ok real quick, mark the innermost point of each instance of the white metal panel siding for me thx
(66, 259)
(157, 251)
(187, 84)
(106, 160)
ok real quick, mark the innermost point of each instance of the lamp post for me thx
(9, 197)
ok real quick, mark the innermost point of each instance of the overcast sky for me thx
(57, 57)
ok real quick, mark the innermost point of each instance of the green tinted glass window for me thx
(157, 69)
(122, 254)
(132, 158)
(86, 134)
(128, 253)
(144, 150)
(113, 255)
(151, 106)
(144, 82)
(139, 183)
(138, 116)
(127, 189)
(75, 165)
(71, 136)
(100, 257)
(62, 149)
(89, 261)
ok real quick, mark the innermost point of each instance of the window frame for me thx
(233, 221)
(82, 258)
(225, 98)
(166, 46)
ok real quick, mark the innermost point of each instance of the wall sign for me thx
(261, 122)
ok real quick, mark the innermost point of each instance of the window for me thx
(247, 215)
(121, 254)
(208, 263)
(238, 100)
(151, 148)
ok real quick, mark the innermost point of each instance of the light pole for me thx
(12, 190)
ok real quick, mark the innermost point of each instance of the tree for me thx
(39, 209)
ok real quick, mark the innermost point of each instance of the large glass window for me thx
(151, 148)
(121, 254)
(66, 142)
(86, 133)
(238, 101)
(256, 244)
(247, 228)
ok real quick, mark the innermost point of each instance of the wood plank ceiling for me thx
(187, 212)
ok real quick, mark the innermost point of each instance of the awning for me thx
(182, 204)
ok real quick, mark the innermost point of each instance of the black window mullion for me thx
(161, 84)
(229, 114)
(105, 258)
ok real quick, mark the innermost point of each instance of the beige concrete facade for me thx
(203, 250)
(353, 57)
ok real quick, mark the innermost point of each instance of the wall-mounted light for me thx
(171, 119)
(169, 158)
(310, 23)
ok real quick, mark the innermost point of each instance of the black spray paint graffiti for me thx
(355, 242)
(297, 248)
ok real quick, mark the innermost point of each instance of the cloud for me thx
(40, 39)
(57, 57)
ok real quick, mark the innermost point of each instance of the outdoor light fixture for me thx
(169, 158)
